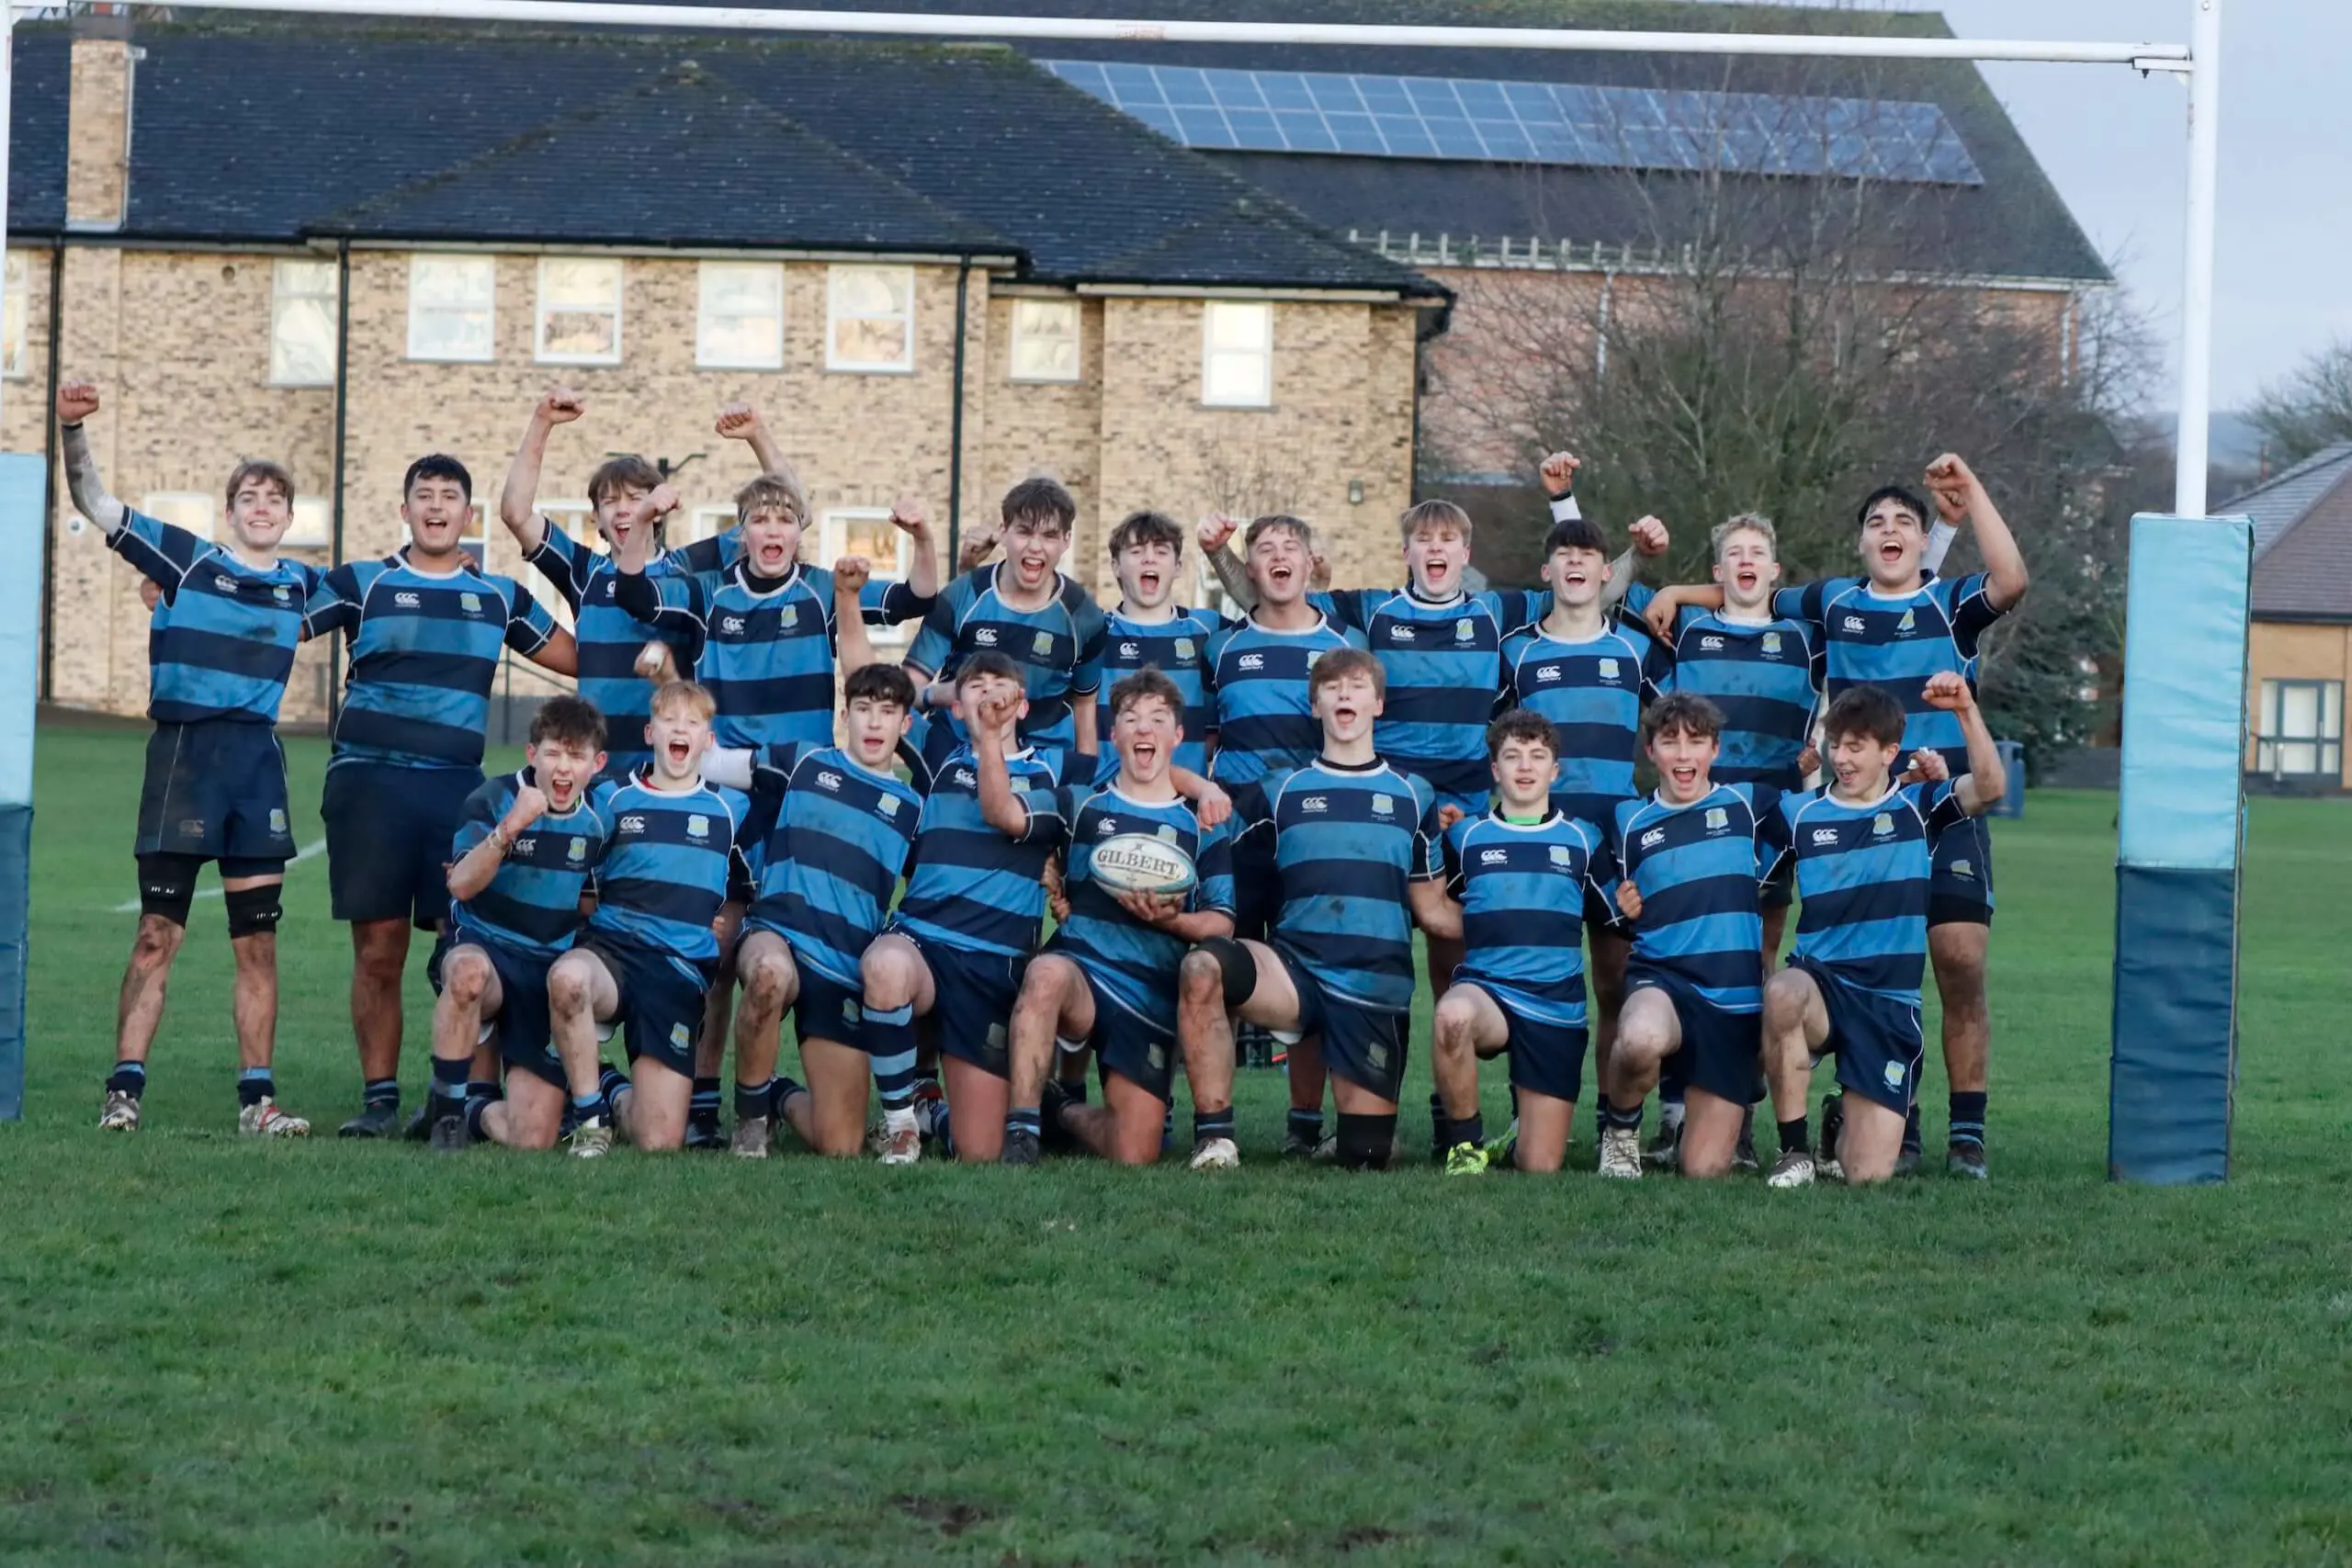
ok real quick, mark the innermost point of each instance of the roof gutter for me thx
(1282, 291)
(683, 253)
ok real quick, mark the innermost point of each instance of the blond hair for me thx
(772, 491)
(691, 696)
(1745, 523)
(1433, 514)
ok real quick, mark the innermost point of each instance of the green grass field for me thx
(324, 1353)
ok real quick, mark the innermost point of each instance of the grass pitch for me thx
(216, 1351)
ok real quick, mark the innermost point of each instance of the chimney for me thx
(97, 155)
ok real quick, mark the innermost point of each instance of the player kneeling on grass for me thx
(1521, 873)
(1145, 881)
(844, 826)
(1694, 855)
(1865, 851)
(1356, 844)
(646, 960)
(524, 853)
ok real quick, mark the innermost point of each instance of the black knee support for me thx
(1239, 969)
(1365, 1143)
(254, 912)
(167, 885)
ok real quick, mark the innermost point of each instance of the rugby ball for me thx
(1139, 862)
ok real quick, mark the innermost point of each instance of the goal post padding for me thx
(24, 507)
(2181, 831)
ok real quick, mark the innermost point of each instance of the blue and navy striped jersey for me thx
(1444, 663)
(425, 653)
(221, 644)
(1593, 692)
(1059, 648)
(1697, 868)
(1131, 963)
(1862, 871)
(766, 645)
(610, 639)
(1764, 675)
(1521, 887)
(668, 860)
(1263, 722)
(973, 888)
(841, 841)
(1898, 641)
(1179, 649)
(533, 903)
(1349, 842)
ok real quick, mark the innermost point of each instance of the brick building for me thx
(2299, 646)
(998, 276)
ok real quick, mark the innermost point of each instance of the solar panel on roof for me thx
(1532, 122)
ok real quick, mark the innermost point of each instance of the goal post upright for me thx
(2198, 61)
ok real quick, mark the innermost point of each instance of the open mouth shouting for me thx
(680, 750)
(1748, 579)
(1684, 776)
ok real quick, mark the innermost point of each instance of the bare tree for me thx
(2310, 409)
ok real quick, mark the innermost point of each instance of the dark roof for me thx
(274, 132)
(2302, 538)
(2014, 225)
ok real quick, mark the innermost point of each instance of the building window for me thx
(2301, 733)
(702, 523)
(313, 524)
(450, 302)
(580, 311)
(738, 321)
(867, 531)
(12, 327)
(302, 324)
(1045, 340)
(1237, 354)
(189, 509)
(870, 318)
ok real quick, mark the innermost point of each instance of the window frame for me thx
(2325, 741)
(161, 505)
(18, 277)
(1211, 312)
(706, 523)
(298, 537)
(704, 314)
(833, 537)
(1076, 341)
(905, 364)
(279, 297)
(416, 308)
(541, 308)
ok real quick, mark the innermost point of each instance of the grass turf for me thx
(219, 1351)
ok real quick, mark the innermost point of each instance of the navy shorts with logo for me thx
(1723, 1051)
(1364, 1045)
(1960, 892)
(972, 995)
(1137, 1051)
(827, 1010)
(526, 1035)
(389, 833)
(216, 790)
(1878, 1041)
(1545, 1058)
(659, 1009)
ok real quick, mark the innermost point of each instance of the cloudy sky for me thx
(2116, 145)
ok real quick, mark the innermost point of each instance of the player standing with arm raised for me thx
(426, 626)
(1150, 630)
(1864, 853)
(220, 646)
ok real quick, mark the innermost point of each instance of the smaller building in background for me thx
(2299, 647)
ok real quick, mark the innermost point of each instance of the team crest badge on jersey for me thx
(789, 616)
(1963, 868)
(887, 805)
(1771, 642)
(576, 849)
(1183, 648)
(1882, 824)
(282, 594)
(1609, 670)
(1910, 620)
(1560, 854)
(1895, 1075)
(698, 827)
(471, 602)
(1383, 807)
(1463, 631)
(1168, 831)
(1717, 820)
(277, 822)
(1045, 643)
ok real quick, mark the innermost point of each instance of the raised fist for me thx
(907, 515)
(1559, 473)
(1949, 689)
(1214, 531)
(850, 574)
(76, 400)
(1952, 484)
(976, 546)
(530, 805)
(738, 422)
(660, 501)
(1648, 536)
(560, 405)
(656, 663)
